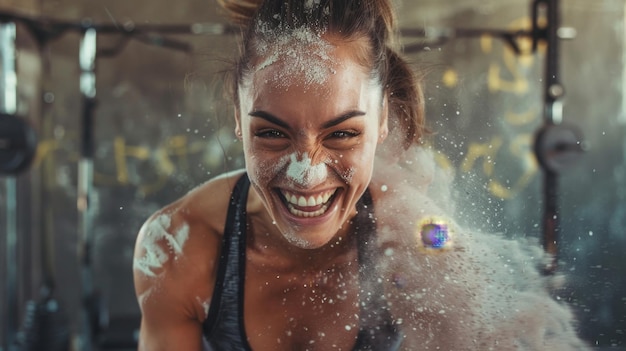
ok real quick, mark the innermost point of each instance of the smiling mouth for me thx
(307, 206)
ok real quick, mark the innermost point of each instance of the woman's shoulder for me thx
(208, 203)
(202, 210)
(179, 245)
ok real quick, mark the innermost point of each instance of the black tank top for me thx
(224, 327)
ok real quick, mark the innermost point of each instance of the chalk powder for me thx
(303, 173)
(489, 288)
(265, 169)
(205, 305)
(144, 296)
(157, 231)
(305, 54)
(310, 4)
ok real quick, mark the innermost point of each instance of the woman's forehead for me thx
(298, 61)
(347, 89)
(310, 56)
(309, 76)
(313, 67)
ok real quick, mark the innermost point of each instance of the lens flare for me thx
(434, 234)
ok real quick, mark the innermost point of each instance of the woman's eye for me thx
(270, 134)
(344, 134)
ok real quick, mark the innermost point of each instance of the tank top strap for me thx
(224, 328)
(377, 331)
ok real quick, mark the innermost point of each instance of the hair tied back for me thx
(240, 12)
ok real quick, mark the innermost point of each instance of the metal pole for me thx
(8, 105)
(553, 115)
(87, 60)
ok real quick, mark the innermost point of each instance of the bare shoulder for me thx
(206, 206)
(175, 261)
(184, 237)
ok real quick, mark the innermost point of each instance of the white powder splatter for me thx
(205, 305)
(144, 296)
(294, 239)
(304, 54)
(269, 60)
(265, 169)
(182, 234)
(488, 290)
(305, 174)
(311, 4)
(154, 256)
(348, 175)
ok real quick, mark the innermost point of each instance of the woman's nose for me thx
(305, 171)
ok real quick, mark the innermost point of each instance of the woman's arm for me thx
(166, 324)
(175, 263)
(171, 319)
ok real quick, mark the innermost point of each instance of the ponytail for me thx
(240, 12)
(405, 99)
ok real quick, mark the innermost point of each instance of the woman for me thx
(309, 248)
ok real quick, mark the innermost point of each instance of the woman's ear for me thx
(384, 123)
(238, 132)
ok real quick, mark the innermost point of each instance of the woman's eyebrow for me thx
(343, 117)
(279, 122)
(269, 117)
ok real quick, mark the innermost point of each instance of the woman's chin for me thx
(305, 243)
(311, 232)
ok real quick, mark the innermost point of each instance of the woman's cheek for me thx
(365, 159)
(354, 166)
(262, 170)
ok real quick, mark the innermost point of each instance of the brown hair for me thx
(349, 20)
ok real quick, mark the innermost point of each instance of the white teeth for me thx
(326, 197)
(312, 201)
(299, 213)
(302, 201)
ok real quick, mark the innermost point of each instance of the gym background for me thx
(161, 126)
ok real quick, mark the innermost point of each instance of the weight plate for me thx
(18, 144)
(558, 146)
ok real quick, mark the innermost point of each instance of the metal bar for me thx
(46, 213)
(8, 105)
(553, 115)
(10, 323)
(87, 61)
(551, 220)
(436, 33)
(58, 26)
(554, 90)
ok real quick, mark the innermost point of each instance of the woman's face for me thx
(310, 118)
